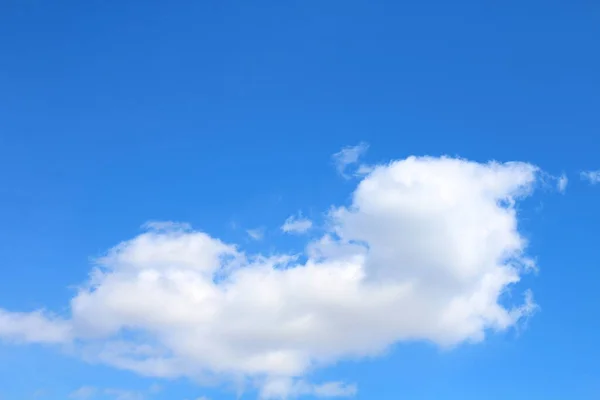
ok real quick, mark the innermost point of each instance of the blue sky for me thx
(234, 117)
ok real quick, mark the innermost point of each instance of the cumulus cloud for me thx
(296, 224)
(348, 156)
(593, 177)
(424, 251)
(33, 327)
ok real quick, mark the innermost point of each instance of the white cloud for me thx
(290, 388)
(256, 234)
(350, 155)
(593, 177)
(424, 251)
(296, 224)
(334, 389)
(83, 393)
(88, 392)
(33, 327)
(562, 182)
(166, 226)
(363, 170)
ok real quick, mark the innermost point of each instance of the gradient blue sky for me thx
(225, 115)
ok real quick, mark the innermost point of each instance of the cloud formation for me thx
(285, 388)
(593, 177)
(424, 251)
(256, 234)
(562, 182)
(348, 156)
(90, 392)
(120, 394)
(296, 224)
(33, 327)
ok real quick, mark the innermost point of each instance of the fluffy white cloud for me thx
(34, 327)
(424, 251)
(296, 224)
(350, 155)
(593, 177)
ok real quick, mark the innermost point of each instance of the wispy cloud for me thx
(155, 388)
(334, 389)
(83, 393)
(286, 388)
(89, 392)
(347, 156)
(120, 394)
(593, 177)
(562, 182)
(256, 234)
(296, 224)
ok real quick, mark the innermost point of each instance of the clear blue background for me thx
(218, 112)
